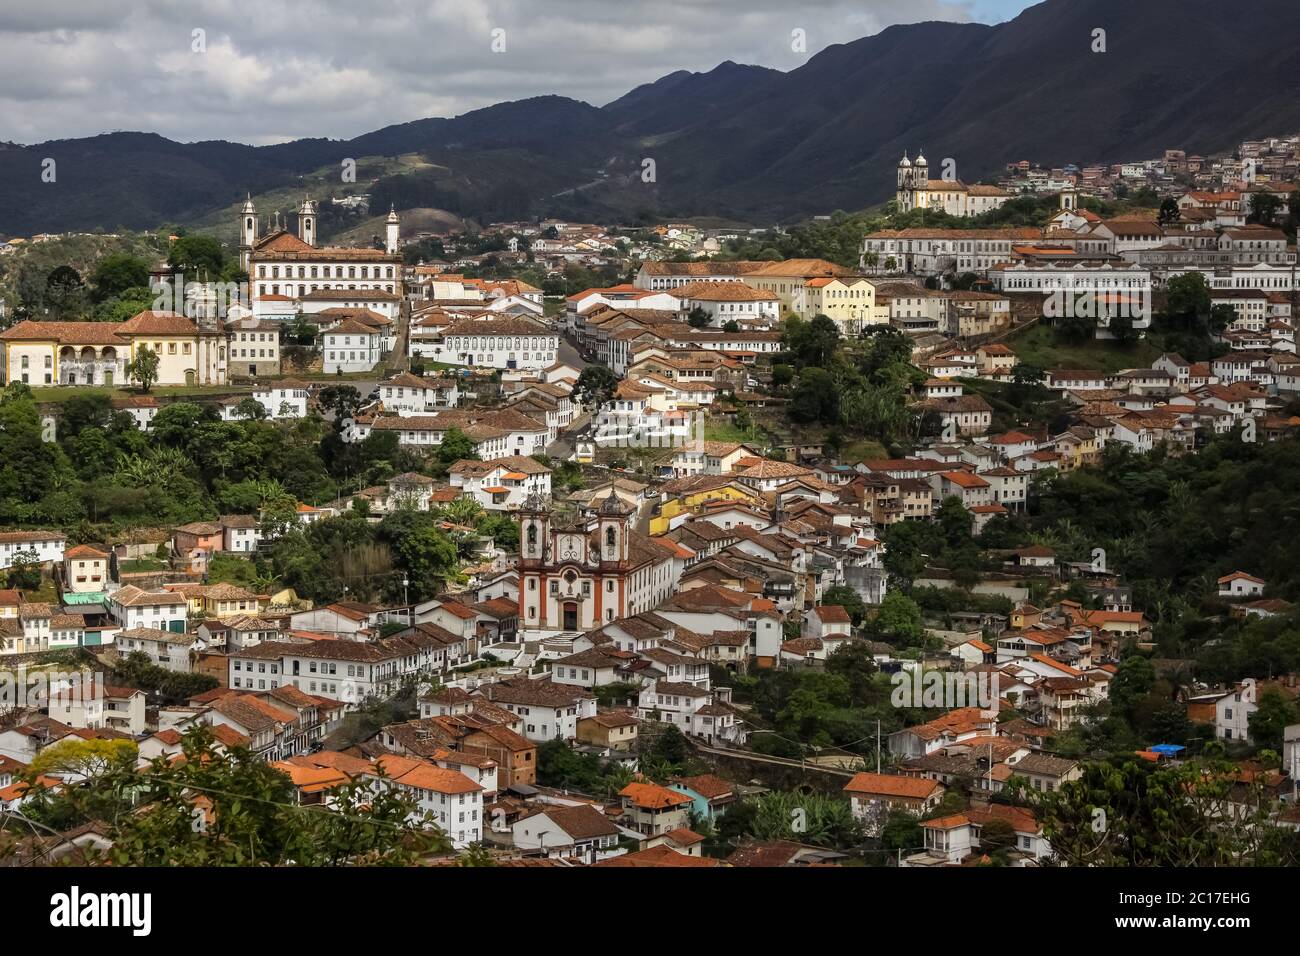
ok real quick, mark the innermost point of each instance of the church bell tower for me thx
(247, 232)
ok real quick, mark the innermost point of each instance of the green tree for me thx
(596, 385)
(1187, 299)
(1132, 813)
(197, 257)
(143, 368)
(1272, 715)
(250, 408)
(25, 570)
(812, 343)
(899, 618)
(342, 400)
(1169, 212)
(250, 816)
(456, 446)
(1264, 208)
(428, 556)
(816, 399)
(65, 293)
(902, 831)
(117, 273)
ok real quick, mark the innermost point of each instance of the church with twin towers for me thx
(292, 273)
(948, 194)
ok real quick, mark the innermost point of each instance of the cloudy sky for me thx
(265, 72)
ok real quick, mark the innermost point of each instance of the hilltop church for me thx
(916, 190)
(289, 274)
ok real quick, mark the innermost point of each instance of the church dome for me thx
(905, 163)
(921, 160)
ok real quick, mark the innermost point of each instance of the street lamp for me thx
(406, 583)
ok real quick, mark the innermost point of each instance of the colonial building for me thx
(351, 347)
(99, 353)
(917, 191)
(576, 574)
(281, 265)
(508, 342)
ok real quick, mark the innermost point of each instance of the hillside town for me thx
(565, 544)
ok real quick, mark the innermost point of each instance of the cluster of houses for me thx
(1254, 165)
(1080, 264)
(610, 620)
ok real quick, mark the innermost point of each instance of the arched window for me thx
(611, 540)
(532, 535)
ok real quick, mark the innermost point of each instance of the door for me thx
(570, 616)
(108, 376)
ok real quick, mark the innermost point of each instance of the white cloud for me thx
(338, 68)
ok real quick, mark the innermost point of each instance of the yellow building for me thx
(98, 353)
(229, 600)
(808, 287)
(193, 594)
(695, 492)
(187, 355)
(54, 353)
(850, 301)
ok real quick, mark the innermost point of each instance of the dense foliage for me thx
(219, 807)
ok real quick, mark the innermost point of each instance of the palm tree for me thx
(1181, 500)
(138, 471)
(617, 776)
(270, 490)
(461, 511)
(265, 583)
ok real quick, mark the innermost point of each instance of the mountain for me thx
(748, 142)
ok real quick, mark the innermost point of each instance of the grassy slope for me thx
(61, 393)
(82, 252)
(322, 185)
(1039, 346)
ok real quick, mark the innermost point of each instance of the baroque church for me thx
(916, 190)
(580, 572)
(288, 273)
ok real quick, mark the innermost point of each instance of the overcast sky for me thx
(285, 69)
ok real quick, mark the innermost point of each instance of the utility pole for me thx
(877, 745)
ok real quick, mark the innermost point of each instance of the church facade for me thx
(579, 573)
(916, 190)
(290, 273)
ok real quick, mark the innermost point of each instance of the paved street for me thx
(568, 353)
